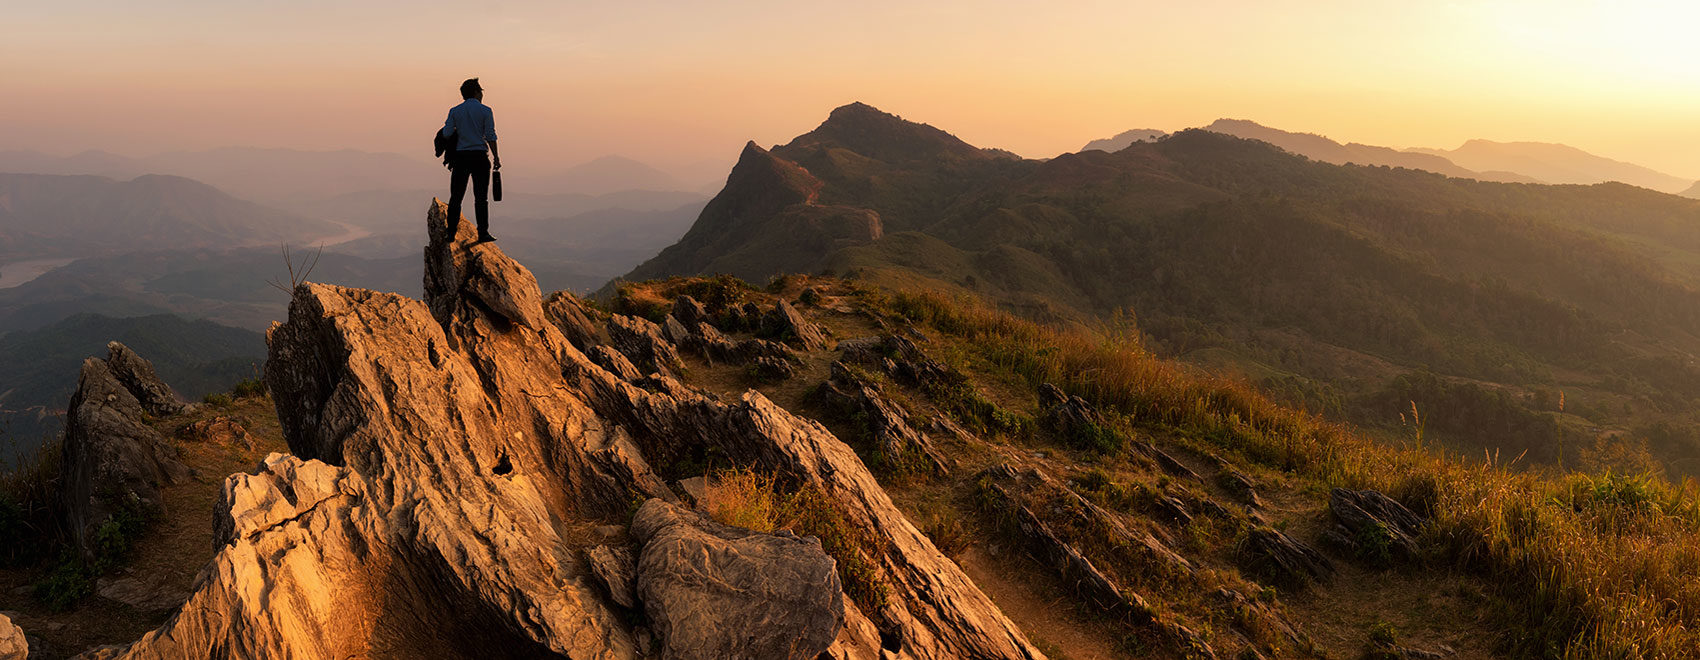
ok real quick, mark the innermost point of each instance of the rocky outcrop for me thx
(643, 342)
(138, 377)
(113, 460)
(1373, 526)
(572, 318)
(690, 312)
(886, 423)
(442, 449)
(13, 646)
(789, 325)
(220, 430)
(1282, 559)
(1077, 421)
(899, 357)
(714, 591)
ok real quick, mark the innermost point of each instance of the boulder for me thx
(772, 370)
(790, 326)
(1075, 568)
(13, 646)
(690, 312)
(140, 594)
(220, 430)
(713, 591)
(1281, 558)
(112, 461)
(138, 377)
(716, 347)
(1364, 515)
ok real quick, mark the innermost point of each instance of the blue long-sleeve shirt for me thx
(477, 125)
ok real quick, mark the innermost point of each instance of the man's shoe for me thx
(485, 237)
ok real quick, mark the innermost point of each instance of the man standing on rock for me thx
(475, 125)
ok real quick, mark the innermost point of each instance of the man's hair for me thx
(469, 88)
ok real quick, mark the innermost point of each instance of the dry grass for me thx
(743, 498)
(1601, 566)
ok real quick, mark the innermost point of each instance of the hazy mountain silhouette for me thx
(1317, 147)
(1329, 282)
(289, 176)
(1556, 163)
(385, 211)
(53, 215)
(264, 175)
(1692, 191)
(1125, 138)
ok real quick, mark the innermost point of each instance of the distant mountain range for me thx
(286, 176)
(1483, 160)
(1125, 138)
(1341, 287)
(48, 215)
(1557, 163)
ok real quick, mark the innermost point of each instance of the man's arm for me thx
(490, 134)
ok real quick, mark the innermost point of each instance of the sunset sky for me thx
(683, 84)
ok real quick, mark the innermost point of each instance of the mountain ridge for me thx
(1557, 163)
(1219, 241)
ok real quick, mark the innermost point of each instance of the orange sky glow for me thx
(683, 84)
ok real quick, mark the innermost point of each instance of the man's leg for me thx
(481, 193)
(457, 192)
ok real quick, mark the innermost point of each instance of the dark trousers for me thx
(475, 165)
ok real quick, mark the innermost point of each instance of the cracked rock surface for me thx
(442, 447)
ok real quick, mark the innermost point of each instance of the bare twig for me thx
(297, 272)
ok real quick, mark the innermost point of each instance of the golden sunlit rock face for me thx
(442, 452)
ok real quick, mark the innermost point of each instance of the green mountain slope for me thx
(1343, 287)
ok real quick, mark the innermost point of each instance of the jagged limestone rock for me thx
(1283, 559)
(616, 568)
(615, 362)
(572, 318)
(643, 342)
(138, 377)
(786, 323)
(112, 461)
(690, 312)
(1077, 421)
(441, 446)
(889, 425)
(714, 591)
(1368, 517)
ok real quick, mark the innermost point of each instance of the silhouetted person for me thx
(476, 126)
